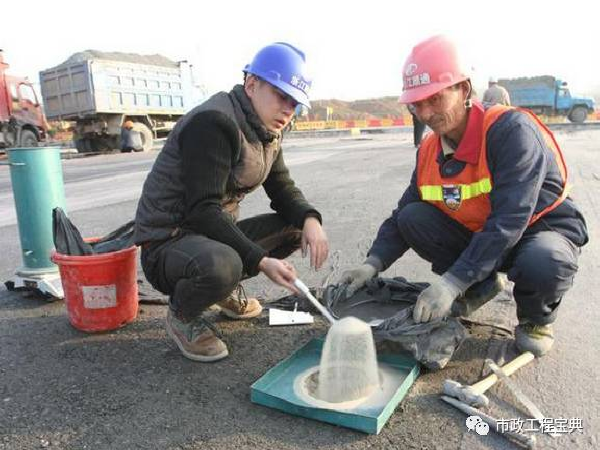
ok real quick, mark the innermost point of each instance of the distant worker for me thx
(489, 194)
(495, 94)
(418, 127)
(193, 247)
(131, 139)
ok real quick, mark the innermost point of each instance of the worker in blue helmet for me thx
(193, 247)
(283, 66)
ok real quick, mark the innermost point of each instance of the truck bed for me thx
(80, 88)
(533, 97)
(531, 91)
(547, 81)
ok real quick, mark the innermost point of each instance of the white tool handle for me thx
(521, 438)
(517, 392)
(300, 285)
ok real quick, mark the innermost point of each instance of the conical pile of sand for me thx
(348, 369)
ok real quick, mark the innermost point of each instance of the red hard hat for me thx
(432, 65)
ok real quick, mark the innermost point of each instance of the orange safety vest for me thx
(465, 196)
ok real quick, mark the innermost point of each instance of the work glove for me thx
(358, 277)
(436, 301)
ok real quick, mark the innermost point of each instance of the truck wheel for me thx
(147, 136)
(578, 115)
(84, 145)
(79, 145)
(104, 144)
(28, 139)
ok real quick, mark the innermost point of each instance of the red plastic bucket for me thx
(101, 291)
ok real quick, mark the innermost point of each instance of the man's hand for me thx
(436, 301)
(315, 239)
(358, 277)
(279, 271)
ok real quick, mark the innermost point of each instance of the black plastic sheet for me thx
(68, 240)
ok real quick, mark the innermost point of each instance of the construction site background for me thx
(332, 114)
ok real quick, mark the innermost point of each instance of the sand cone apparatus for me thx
(348, 369)
(339, 381)
(37, 184)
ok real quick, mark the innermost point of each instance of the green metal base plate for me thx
(275, 389)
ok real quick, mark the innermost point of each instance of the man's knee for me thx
(222, 271)
(415, 216)
(291, 237)
(544, 270)
(421, 222)
(289, 241)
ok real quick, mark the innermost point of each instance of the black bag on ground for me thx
(68, 240)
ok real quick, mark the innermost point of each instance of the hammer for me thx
(474, 395)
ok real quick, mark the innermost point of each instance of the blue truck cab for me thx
(548, 95)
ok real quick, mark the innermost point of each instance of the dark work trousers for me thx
(198, 272)
(418, 129)
(542, 264)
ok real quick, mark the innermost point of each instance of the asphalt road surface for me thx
(131, 389)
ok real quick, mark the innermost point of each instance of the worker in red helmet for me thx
(194, 248)
(489, 194)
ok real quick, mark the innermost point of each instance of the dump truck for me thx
(22, 121)
(548, 95)
(100, 91)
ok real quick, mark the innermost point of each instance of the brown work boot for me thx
(477, 296)
(537, 339)
(238, 306)
(196, 339)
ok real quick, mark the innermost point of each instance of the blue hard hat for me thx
(283, 66)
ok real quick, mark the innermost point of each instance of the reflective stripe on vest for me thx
(468, 191)
(465, 196)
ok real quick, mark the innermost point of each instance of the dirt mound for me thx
(372, 108)
(151, 60)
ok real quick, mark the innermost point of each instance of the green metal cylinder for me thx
(37, 182)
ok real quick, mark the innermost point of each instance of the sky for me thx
(355, 50)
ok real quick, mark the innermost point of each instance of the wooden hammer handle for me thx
(509, 368)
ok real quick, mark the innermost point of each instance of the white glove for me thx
(358, 277)
(436, 301)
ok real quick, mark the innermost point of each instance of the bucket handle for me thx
(3, 163)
